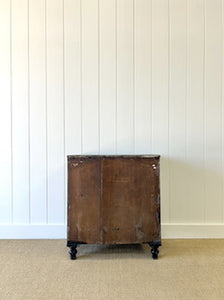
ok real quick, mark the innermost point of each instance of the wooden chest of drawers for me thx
(113, 200)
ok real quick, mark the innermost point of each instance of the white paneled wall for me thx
(111, 77)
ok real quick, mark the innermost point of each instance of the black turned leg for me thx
(73, 252)
(73, 249)
(155, 251)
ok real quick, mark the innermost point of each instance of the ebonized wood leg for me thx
(155, 251)
(73, 249)
(73, 252)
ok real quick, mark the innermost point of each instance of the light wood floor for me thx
(42, 269)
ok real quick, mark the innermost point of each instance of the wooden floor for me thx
(42, 269)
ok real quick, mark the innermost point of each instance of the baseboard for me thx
(192, 231)
(58, 231)
(30, 231)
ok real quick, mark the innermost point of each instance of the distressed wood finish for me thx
(113, 200)
(84, 200)
(129, 200)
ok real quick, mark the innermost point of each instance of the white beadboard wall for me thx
(111, 77)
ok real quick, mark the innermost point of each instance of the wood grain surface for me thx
(113, 199)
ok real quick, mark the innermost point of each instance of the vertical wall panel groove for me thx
(107, 76)
(37, 111)
(46, 109)
(72, 80)
(125, 122)
(213, 83)
(28, 95)
(142, 85)
(99, 74)
(151, 105)
(222, 91)
(177, 109)
(168, 125)
(116, 90)
(204, 110)
(55, 130)
(195, 105)
(221, 108)
(90, 76)
(81, 77)
(64, 130)
(20, 144)
(11, 115)
(187, 78)
(160, 95)
(5, 113)
(133, 79)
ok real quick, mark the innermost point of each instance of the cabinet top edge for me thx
(114, 156)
